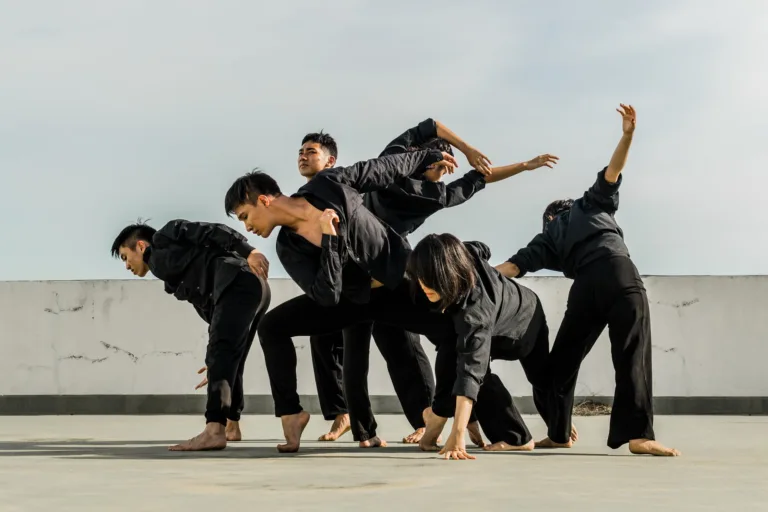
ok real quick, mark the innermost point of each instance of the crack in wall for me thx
(136, 358)
(84, 358)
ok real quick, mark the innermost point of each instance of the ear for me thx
(141, 246)
(265, 200)
(331, 162)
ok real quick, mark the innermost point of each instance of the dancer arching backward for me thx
(582, 239)
(212, 267)
(338, 252)
(405, 206)
(494, 318)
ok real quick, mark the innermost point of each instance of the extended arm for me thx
(379, 173)
(507, 171)
(538, 254)
(207, 234)
(619, 158)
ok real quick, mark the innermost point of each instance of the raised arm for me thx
(619, 158)
(538, 254)
(507, 171)
(206, 234)
(379, 173)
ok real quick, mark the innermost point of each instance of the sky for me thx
(111, 111)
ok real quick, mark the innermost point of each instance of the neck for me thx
(291, 212)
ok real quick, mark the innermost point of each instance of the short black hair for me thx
(132, 234)
(327, 142)
(444, 264)
(554, 209)
(434, 143)
(247, 188)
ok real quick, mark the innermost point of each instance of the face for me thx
(257, 218)
(134, 258)
(431, 294)
(313, 159)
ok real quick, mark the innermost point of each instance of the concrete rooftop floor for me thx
(106, 463)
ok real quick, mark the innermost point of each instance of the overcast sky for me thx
(113, 110)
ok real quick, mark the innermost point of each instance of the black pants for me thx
(301, 316)
(606, 292)
(328, 357)
(494, 408)
(233, 326)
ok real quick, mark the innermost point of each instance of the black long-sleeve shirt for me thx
(573, 239)
(492, 318)
(197, 261)
(365, 248)
(406, 204)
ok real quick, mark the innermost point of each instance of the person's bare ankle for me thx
(341, 425)
(233, 431)
(293, 427)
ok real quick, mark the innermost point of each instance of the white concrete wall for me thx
(129, 337)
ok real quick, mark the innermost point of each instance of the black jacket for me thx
(365, 248)
(197, 261)
(573, 239)
(406, 204)
(491, 319)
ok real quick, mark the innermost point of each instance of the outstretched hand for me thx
(541, 161)
(629, 118)
(479, 161)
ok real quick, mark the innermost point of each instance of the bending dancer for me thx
(405, 206)
(494, 318)
(212, 267)
(342, 257)
(582, 239)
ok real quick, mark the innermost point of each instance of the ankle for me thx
(215, 428)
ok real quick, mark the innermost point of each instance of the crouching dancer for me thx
(494, 318)
(582, 239)
(212, 267)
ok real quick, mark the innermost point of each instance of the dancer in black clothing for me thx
(404, 206)
(494, 318)
(582, 239)
(339, 253)
(212, 267)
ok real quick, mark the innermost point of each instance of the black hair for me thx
(326, 142)
(435, 143)
(247, 188)
(444, 264)
(132, 234)
(554, 209)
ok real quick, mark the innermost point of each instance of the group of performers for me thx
(343, 239)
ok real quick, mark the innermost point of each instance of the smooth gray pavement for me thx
(106, 463)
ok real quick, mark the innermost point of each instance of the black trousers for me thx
(230, 334)
(606, 292)
(495, 409)
(301, 316)
(328, 363)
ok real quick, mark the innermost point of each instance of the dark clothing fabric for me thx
(205, 265)
(494, 407)
(490, 321)
(328, 356)
(301, 316)
(327, 362)
(231, 330)
(606, 292)
(197, 261)
(365, 247)
(576, 238)
(407, 203)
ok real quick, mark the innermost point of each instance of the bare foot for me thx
(431, 437)
(415, 437)
(648, 447)
(574, 433)
(374, 442)
(340, 427)
(474, 434)
(293, 426)
(501, 446)
(548, 443)
(212, 438)
(233, 431)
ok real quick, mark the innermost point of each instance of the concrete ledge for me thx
(20, 405)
